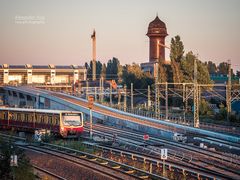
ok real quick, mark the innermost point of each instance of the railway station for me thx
(41, 74)
(159, 112)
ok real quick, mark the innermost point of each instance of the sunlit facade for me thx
(41, 74)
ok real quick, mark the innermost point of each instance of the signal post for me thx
(90, 106)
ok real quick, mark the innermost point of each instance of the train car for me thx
(64, 123)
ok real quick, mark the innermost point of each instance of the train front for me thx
(71, 125)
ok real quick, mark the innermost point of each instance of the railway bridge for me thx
(38, 98)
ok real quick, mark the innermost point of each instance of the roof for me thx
(157, 27)
(38, 110)
(40, 67)
(17, 67)
(157, 23)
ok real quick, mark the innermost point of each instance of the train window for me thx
(29, 117)
(45, 119)
(13, 116)
(39, 118)
(2, 115)
(72, 119)
(5, 115)
(22, 117)
(18, 116)
(56, 119)
(49, 119)
(26, 118)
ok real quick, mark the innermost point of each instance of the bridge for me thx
(38, 98)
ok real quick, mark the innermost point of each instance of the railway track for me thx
(204, 157)
(111, 168)
(88, 162)
(45, 173)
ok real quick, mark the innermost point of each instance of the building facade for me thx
(157, 33)
(41, 74)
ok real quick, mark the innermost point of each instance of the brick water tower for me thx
(157, 32)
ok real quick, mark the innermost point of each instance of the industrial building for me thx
(41, 74)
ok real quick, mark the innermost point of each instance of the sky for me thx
(209, 28)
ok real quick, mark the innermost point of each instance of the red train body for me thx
(64, 123)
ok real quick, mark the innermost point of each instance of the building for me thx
(41, 74)
(157, 33)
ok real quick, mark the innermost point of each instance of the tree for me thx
(204, 107)
(177, 49)
(187, 66)
(212, 68)
(176, 56)
(22, 171)
(112, 69)
(134, 74)
(98, 69)
(89, 69)
(223, 68)
(103, 72)
(238, 74)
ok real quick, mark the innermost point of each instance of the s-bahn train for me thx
(64, 123)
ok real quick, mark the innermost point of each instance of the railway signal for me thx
(164, 156)
(90, 106)
(145, 137)
(90, 102)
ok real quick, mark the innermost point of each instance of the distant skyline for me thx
(209, 28)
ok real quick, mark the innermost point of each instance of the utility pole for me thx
(87, 89)
(119, 99)
(111, 94)
(166, 100)
(185, 100)
(100, 96)
(93, 55)
(228, 91)
(79, 88)
(125, 98)
(95, 93)
(157, 103)
(102, 90)
(90, 106)
(149, 97)
(131, 96)
(196, 97)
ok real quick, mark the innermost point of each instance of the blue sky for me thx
(210, 28)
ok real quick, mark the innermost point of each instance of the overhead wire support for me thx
(157, 103)
(125, 98)
(131, 96)
(228, 91)
(149, 98)
(86, 89)
(110, 94)
(196, 97)
(166, 100)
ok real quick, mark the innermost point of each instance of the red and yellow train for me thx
(64, 123)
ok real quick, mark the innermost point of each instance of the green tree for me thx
(98, 69)
(177, 49)
(238, 74)
(89, 69)
(223, 68)
(22, 171)
(104, 70)
(113, 69)
(212, 68)
(176, 56)
(134, 74)
(187, 66)
(204, 107)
